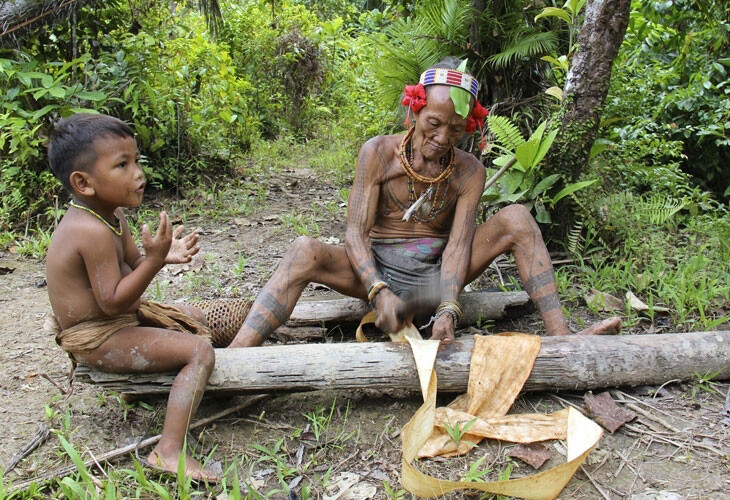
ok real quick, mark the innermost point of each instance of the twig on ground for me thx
(39, 438)
(641, 411)
(595, 484)
(119, 452)
(664, 385)
(63, 390)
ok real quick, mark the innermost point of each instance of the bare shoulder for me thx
(74, 234)
(468, 167)
(377, 154)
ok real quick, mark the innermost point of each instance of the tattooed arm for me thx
(362, 210)
(457, 254)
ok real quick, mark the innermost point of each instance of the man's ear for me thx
(81, 183)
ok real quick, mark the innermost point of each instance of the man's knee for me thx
(304, 255)
(518, 222)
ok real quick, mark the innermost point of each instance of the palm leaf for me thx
(449, 20)
(522, 45)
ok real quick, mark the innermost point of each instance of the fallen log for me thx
(569, 362)
(476, 305)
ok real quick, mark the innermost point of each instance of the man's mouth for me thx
(140, 189)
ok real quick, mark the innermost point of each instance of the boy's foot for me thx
(610, 326)
(193, 469)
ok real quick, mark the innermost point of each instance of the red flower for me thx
(476, 118)
(415, 97)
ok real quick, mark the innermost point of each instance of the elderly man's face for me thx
(440, 126)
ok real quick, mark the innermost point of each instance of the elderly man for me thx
(411, 228)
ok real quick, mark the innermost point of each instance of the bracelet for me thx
(375, 288)
(452, 307)
(450, 313)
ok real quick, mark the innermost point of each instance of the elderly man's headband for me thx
(464, 86)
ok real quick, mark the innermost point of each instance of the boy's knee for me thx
(205, 354)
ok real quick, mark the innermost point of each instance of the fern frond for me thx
(449, 19)
(404, 54)
(660, 209)
(521, 46)
(506, 133)
(576, 241)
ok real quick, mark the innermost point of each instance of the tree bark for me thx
(587, 83)
(477, 306)
(569, 362)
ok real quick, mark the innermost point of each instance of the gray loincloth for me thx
(410, 266)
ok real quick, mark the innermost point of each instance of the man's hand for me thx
(390, 311)
(443, 329)
(157, 247)
(182, 249)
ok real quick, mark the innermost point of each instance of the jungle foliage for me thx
(306, 81)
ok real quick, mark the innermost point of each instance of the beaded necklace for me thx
(423, 209)
(116, 231)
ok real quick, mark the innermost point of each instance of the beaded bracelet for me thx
(452, 307)
(375, 288)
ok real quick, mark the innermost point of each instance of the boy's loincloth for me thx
(88, 335)
(410, 266)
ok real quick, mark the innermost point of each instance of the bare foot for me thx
(610, 326)
(193, 469)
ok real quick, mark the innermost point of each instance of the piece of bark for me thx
(533, 454)
(565, 362)
(606, 412)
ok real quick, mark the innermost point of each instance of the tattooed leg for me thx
(514, 230)
(306, 260)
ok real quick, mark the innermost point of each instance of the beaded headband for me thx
(450, 77)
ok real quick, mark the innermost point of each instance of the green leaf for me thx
(555, 92)
(526, 152)
(541, 215)
(57, 92)
(461, 99)
(727, 191)
(554, 12)
(537, 134)
(597, 149)
(570, 189)
(95, 95)
(75, 458)
(44, 110)
(511, 181)
(157, 145)
(545, 184)
(545, 146)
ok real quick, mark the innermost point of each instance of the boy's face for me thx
(117, 177)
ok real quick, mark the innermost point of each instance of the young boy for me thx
(96, 277)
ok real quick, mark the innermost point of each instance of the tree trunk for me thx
(569, 362)
(587, 84)
(477, 306)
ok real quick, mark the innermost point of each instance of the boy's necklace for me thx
(117, 231)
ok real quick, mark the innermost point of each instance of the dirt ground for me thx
(676, 448)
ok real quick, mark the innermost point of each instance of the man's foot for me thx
(610, 326)
(193, 469)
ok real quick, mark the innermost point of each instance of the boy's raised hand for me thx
(158, 246)
(182, 249)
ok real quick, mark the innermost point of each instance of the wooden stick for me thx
(119, 452)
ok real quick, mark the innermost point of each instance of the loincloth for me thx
(88, 335)
(410, 266)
